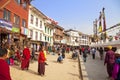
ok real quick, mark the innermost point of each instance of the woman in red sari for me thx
(41, 62)
(25, 58)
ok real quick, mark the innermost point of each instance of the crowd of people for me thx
(10, 53)
(111, 59)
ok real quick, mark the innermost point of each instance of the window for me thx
(40, 36)
(45, 29)
(16, 20)
(23, 23)
(24, 4)
(36, 35)
(48, 38)
(40, 24)
(6, 14)
(45, 38)
(50, 31)
(32, 18)
(18, 1)
(36, 21)
(31, 33)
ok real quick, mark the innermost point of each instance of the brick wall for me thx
(15, 8)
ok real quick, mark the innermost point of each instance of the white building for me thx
(84, 39)
(77, 38)
(40, 28)
(36, 20)
(48, 32)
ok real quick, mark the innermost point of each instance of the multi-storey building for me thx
(58, 34)
(77, 38)
(13, 21)
(40, 28)
(48, 32)
(66, 39)
(36, 27)
(84, 39)
(74, 37)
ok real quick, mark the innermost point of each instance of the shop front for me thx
(5, 32)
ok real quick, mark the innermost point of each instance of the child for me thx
(60, 58)
(4, 67)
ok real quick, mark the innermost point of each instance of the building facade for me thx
(48, 32)
(74, 37)
(77, 38)
(84, 39)
(13, 21)
(58, 34)
(40, 29)
(36, 27)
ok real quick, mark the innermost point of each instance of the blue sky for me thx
(79, 14)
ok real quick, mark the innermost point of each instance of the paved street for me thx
(95, 68)
(54, 71)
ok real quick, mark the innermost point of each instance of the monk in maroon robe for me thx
(4, 67)
(25, 59)
(41, 62)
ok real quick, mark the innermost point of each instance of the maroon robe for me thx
(41, 63)
(110, 60)
(4, 70)
(26, 58)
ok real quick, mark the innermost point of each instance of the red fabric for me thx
(41, 57)
(4, 70)
(26, 58)
(18, 56)
(82, 49)
(26, 53)
(25, 64)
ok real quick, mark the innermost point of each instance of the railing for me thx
(82, 71)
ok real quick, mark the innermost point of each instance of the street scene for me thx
(59, 40)
(68, 70)
(95, 68)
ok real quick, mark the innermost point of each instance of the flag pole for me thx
(104, 24)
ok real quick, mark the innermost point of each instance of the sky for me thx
(79, 14)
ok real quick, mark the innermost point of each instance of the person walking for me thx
(85, 52)
(25, 58)
(33, 54)
(93, 52)
(63, 51)
(4, 67)
(109, 61)
(101, 51)
(41, 62)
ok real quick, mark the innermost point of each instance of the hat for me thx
(110, 47)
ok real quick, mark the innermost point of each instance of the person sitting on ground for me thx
(60, 58)
(4, 67)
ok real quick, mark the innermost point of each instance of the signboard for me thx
(5, 24)
(24, 31)
(14, 29)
